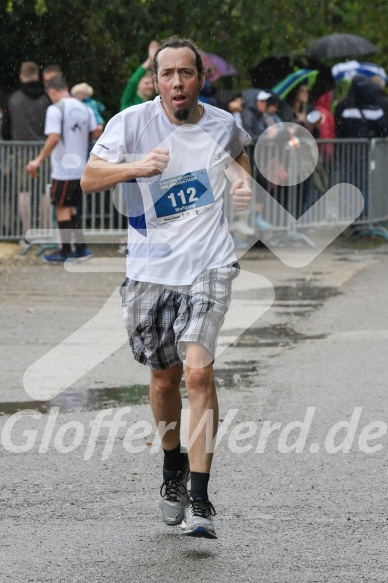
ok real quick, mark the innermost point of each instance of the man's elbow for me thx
(86, 183)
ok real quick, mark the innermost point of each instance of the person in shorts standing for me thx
(171, 155)
(69, 126)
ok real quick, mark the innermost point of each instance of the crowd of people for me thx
(361, 113)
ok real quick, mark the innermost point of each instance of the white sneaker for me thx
(174, 496)
(198, 519)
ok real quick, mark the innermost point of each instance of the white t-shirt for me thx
(161, 247)
(74, 121)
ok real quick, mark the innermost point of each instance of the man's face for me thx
(48, 76)
(53, 94)
(178, 83)
(261, 105)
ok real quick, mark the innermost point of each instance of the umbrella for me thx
(217, 66)
(340, 45)
(349, 69)
(301, 76)
(274, 69)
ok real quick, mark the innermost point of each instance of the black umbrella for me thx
(341, 45)
(274, 69)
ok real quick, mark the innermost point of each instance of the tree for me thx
(102, 42)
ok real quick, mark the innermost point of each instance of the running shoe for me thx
(173, 494)
(57, 258)
(81, 255)
(198, 519)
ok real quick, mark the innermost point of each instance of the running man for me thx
(173, 152)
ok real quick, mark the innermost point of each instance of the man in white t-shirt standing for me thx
(171, 155)
(69, 126)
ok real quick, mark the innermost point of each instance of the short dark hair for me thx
(176, 42)
(58, 82)
(52, 69)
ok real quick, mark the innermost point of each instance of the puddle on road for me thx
(241, 373)
(301, 299)
(235, 376)
(72, 401)
(83, 400)
(293, 295)
(273, 336)
(305, 293)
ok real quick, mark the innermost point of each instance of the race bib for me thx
(182, 196)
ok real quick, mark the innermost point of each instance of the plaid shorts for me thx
(161, 319)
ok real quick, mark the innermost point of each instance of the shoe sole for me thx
(200, 532)
(78, 259)
(84, 258)
(49, 262)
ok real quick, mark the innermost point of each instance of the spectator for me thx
(296, 106)
(84, 93)
(140, 87)
(231, 101)
(69, 126)
(358, 115)
(252, 117)
(206, 95)
(49, 72)
(24, 118)
(382, 97)
(326, 125)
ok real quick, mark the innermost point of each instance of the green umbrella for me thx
(306, 76)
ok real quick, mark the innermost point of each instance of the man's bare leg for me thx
(25, 211)
(203, 406)
(201, 391)
(166, 402)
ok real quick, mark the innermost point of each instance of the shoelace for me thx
(173, 487)
(199, 507)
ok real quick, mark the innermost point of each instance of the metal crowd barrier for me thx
(358, 162)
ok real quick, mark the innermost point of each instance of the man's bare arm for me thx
(49, 145)
(101, 175)
(239, 174)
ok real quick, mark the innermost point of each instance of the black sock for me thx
(65, 237)
(76, 226)
(173, 459)
(199, 482)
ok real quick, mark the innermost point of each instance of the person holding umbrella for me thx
(297, 105)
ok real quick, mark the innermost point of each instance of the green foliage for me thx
(102, 42)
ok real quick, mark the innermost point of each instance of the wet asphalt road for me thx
(90, 515)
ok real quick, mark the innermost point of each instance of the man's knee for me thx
(199, 381)
(166, 382)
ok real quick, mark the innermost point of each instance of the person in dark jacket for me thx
(23, 120)
(358, 115)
